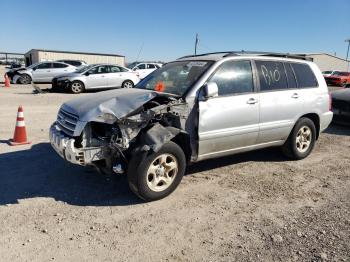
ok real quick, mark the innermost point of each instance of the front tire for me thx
(154, 176)
(128, 84)
(77, 87)
(301, 140)
(25, 79)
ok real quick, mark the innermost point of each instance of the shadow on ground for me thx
(40, 172)
(337, 129)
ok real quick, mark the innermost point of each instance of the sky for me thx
(165, 30)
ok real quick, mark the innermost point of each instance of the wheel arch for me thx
(183, 141)
(315, 118)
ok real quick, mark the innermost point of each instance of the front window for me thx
(327, 72)
(176, 77)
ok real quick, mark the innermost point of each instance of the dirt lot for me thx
(250, 207)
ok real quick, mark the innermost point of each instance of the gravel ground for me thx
(256, 206)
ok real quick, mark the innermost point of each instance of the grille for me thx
(67, 121)
(341, 105)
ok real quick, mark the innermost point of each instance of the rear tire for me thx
(153, 176)
(128, 84)
(301, 140)
(25, 79)
(77, 87)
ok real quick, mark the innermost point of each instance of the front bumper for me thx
(325, 120)
(60, 84)
(65, 147)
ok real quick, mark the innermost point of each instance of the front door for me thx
(41, 72)
(97, 77)
(229, 121)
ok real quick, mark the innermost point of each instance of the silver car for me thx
(195, 108)
(42, 72)
(97, 76)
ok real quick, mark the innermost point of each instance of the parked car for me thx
(96, 76)
(341, 106)
(144, 69)
(338, 79)
(76, 63)
(42, 72)
(330, 72)
(191, 109)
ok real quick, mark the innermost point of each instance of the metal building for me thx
(39, 55)
(328, 62)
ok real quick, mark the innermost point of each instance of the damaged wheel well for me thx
(183, 141)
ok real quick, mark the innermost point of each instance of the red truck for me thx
(338, 79)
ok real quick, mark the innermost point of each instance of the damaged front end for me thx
(108, 138)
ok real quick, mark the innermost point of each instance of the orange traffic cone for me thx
(7, 81)
(20, 135)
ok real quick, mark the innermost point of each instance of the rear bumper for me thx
(65, 147)
(325, 120)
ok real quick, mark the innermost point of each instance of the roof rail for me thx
(261, 53)
(204, 54)
(274, 54)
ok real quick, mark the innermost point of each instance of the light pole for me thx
(347, 53)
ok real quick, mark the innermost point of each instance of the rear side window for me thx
(305, 76)
(151, 66)
(271, 75)
(292, 83)
(73, 63)
(234, 77)
(59, 65)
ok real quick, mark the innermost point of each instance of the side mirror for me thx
(210, 90)
(34, 68)
(134, 69)
(87, 74)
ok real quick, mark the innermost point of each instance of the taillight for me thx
(330, 102)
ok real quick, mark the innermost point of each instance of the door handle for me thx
(252, 101)
(102, 76)
(48, 71)
(295, 95)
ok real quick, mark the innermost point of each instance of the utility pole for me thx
(196, 44)
(347, 52)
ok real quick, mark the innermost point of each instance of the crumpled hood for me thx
(343, 94)
(118, 102)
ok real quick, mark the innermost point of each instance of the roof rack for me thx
(204, 54)
(274, 54)
(260, 53)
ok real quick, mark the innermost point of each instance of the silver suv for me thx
(195, 108)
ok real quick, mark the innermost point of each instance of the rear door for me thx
(41, 73)
(115, 77)
(231, 120)
(58, 69)
(98, 77)
(281, 102)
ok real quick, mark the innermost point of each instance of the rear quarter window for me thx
(304, 75)
(271, 75)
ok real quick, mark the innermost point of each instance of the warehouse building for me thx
(38, 55)
(328, 62)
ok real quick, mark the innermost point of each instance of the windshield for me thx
(84, 68)
(176, 77)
